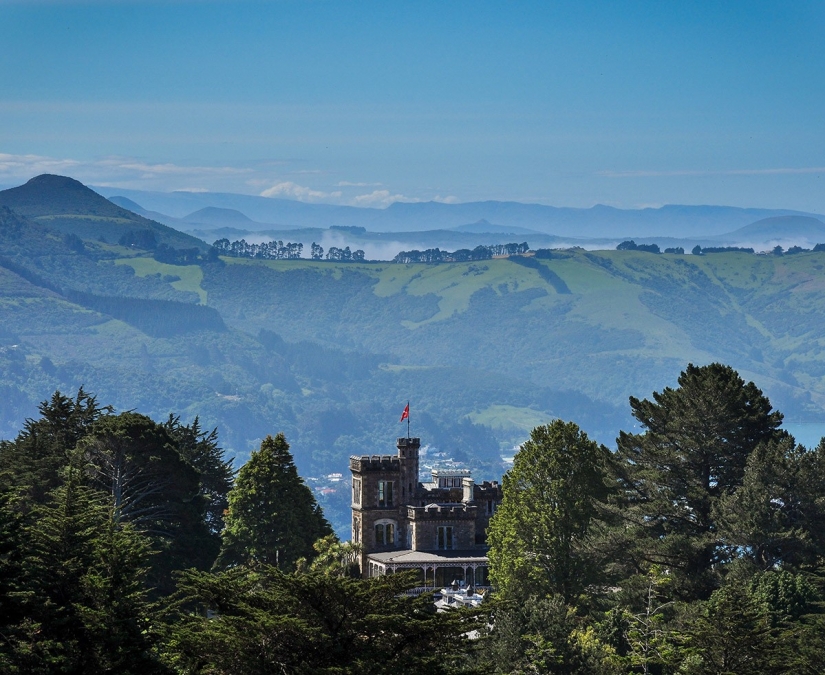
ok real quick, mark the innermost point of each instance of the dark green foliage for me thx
(544, 272)
(200, 449)
(273, 519)
(631, 245)
(435, 255)
(783, 595)
(176, 256)
(774, 517)
(693, 453)
(81, 587)
(726, 249)
(266, 621)
(676, 249)
(74, 243)
(536, 635)
(538, 536)
(151, 485)
(158, 318)
(37, 457)
(268, 250)
(730, 634)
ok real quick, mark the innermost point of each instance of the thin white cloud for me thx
(290, 190)
(381, 198)
(26, 166)
(169, 169)
(130, 172)
(730, 172)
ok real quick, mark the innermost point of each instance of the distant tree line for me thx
(631, 245)
(435, 255)
(698, 250)
(268, 250)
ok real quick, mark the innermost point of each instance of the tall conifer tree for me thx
(694, 450)
(273, 517)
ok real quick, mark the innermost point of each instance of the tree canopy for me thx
(273, 517)
(538, 535)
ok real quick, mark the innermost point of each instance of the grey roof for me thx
(408, 557)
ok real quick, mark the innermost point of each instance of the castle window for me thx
(445, 537)
(356, 530)
(356, 490)
(384, 493)
(385, 534)
(491, 506)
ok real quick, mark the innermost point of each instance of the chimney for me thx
(467, 485)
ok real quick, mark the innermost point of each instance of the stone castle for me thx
(438, 528)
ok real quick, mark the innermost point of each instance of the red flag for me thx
(406, 414)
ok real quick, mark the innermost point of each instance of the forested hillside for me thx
(329, 352)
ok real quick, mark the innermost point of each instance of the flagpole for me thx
(408, 421)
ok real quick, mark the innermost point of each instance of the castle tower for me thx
(408, 456)
(382, 487)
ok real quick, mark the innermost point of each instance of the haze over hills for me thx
(596, 222)
(325, 351)
(781, 230)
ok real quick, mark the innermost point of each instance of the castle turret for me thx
(408, 456)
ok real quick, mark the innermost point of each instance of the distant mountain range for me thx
(198, 219)
(605, 222)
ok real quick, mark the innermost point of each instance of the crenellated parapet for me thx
(442, 512)
(366, 463)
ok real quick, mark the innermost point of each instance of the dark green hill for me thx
(68, 206)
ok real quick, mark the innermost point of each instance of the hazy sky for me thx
(569, 103)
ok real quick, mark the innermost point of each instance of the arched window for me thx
(385, 533)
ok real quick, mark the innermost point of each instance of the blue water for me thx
(806, 433)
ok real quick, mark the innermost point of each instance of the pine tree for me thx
(149, 485)
(200, 449)
(82, 589)
(41, 451)
(776, 518)
(694, 451)
(273, 517)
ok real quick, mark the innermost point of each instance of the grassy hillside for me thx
(330, 352)
(630, 321)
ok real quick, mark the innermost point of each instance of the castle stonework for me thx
(438, 528)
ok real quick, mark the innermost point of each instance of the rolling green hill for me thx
(330, 352)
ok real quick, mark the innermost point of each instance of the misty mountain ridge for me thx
(781, 228)
(485, 227)
(214, 215)
(599, 221)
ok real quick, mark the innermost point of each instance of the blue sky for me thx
(571, 103)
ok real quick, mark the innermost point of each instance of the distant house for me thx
(437, 528)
